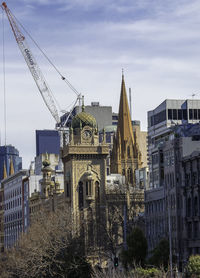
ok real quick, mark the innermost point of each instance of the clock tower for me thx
(84, 160)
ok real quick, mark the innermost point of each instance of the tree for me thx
(136, 248)
(51, 248)
(193, 266)
(160, 254)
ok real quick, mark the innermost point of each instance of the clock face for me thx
(87, 134)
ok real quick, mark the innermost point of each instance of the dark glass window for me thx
(195, 114)
(195, 206)
(175, 117)
(190, 114)
(199, 114)
(180, 114)
(152, 122)
(169, 114)
(184, 114)
(160, 117)
(115, 117)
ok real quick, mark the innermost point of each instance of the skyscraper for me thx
(47, 141)
(9, 159)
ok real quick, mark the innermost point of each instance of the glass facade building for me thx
(6, 154)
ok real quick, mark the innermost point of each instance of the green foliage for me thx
(193, 266)
(147, 273)
(136, 249)
(160, 254)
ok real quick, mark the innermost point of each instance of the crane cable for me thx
(4, 77)
(48, 59)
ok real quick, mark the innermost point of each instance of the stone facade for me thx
(166, 205)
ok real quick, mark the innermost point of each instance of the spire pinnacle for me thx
(4, 171)
(11, 171)
(122, 74)
(124, 122)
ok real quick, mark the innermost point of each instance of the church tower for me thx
(125, 156)
(84, 160)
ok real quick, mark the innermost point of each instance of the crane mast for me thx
(32, 65)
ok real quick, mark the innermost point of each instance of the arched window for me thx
(128, 152)
(80, 194)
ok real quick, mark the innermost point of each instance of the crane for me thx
(34, 68)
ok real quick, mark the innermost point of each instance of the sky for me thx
(156, 42)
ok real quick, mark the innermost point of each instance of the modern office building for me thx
(9, 155)
(47, 141)
(173, 135)
(13, 207)
(169, 113)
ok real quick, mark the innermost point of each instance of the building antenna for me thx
(4, 76)
(130, 103)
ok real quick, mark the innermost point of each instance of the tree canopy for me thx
(136, 248)
(51, 248)
(160, 254)
(193, 266)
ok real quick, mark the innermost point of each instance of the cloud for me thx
(156, 42)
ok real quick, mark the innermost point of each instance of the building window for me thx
(189, 207)
(97, 191)
(187, 179)
(67, 189)
(194, 175)
(195, 206)
(180, 114)
(80, 193)
(190, 114)
(189, 230)
(185, 114)
(196, 229)
(130, 175)
(175, 117)
(169, 114)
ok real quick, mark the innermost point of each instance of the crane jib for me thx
(28, 55)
